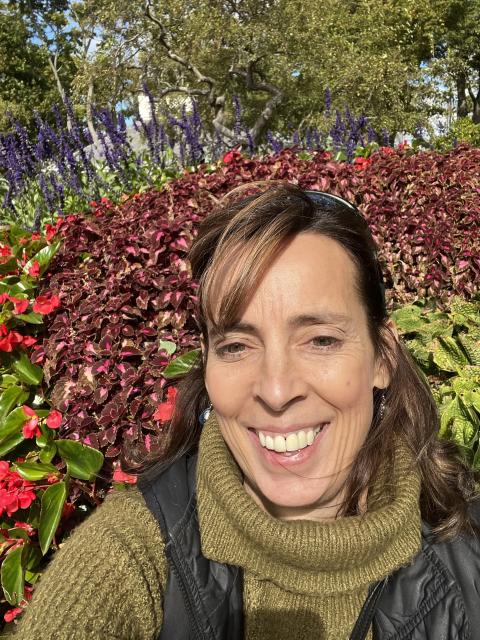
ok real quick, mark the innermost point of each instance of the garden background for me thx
(121, 126)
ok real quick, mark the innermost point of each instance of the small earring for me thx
(203, 417)
(382, 407)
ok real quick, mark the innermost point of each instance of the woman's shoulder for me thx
(108, 577)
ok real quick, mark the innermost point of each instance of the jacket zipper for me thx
(190, 606)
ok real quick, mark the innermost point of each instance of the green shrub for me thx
(462, 130)
(446, 347)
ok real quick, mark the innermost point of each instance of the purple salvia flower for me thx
(371, 133)
(251, 144)
(296, 138)
(350, 148)
(237, 127)
(47, 196)
(308, 138)
(328, 101)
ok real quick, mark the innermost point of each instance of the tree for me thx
(24, 72)
(278, 56)
(458, 51)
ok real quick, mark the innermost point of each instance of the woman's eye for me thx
(232, 349)
(325, 341)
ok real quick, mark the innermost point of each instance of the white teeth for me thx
(292, 442)
(280, 444)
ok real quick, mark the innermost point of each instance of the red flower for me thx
(31, 429)
(232, 155)
(361, 163)
(15, 493)
(20, 305)
(11, 614)
(121, 476)
(50, 231)
(34, 270)
(10, 339)
(5, 250)
(4, 469)
(164, 410)
(46, 304)
(54, 419)
(35, 236)
(28, 341)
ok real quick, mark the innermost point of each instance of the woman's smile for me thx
(290, 448)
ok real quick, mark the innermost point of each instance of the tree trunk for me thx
(90, 125)
(61, 90)
(462, 105)
(476, 104)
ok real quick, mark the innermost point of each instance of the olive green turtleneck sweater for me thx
(302, 579)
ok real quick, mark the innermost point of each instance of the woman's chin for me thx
(296, 498)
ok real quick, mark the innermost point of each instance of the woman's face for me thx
(300, 359)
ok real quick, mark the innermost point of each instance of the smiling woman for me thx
(316, 500)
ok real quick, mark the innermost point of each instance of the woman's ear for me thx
(385, 362)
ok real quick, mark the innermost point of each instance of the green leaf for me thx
(83, 462)
(476, 459)
(11, 397)
(27, 372)
(11, 265)
(7, 380)
(53, 500)
(12, 576)
(47, 454)
(181, 365)
(31, 318)
(35, 471)
(10, 443)
(43, 257)
(449, 356)
(471, 346)
(447, 413)
(170, 347)
(12, 424)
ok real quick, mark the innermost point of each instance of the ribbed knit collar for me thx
(303, 556)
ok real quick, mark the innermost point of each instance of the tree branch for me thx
(162, 37)
(252, 85)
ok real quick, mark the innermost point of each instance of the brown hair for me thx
(254, 229)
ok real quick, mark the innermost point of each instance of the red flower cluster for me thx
(165, 409)
(20, 305)
(10, 339)
(121, 476)
(15, 492)
(11, 614)
(31, 429)
(46, 303)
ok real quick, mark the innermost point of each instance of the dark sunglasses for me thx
(328, 200)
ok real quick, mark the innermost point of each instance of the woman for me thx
(315, 499)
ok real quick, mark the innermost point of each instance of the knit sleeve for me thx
(107, 580)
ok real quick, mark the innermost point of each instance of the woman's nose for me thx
(279, 383)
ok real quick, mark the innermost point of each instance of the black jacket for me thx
(435, 598)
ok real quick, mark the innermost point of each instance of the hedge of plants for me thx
(97, 316)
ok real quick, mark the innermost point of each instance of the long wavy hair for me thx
(248, 231)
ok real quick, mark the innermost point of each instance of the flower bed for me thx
(126, 304)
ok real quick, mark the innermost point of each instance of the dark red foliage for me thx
(101, 356)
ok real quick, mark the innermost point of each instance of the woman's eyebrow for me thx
(295, 322)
